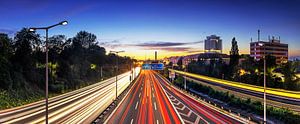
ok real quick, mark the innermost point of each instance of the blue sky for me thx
(129, 24)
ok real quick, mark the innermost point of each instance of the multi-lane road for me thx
(153, 100)
(79, 106)
(146, 102)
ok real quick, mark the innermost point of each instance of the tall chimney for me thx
(155, 55)
(258, 35)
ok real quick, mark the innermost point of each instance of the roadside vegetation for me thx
(73, 63)
(246, 105)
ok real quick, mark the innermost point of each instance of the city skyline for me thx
(171, 28)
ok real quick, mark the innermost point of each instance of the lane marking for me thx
(136, 105)
(155, 105)
(157, 122)
(131, 121)
(140, 94)
(153, 95)
(189, 113)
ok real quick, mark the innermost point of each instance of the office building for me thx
(273, 47)
(213, 44)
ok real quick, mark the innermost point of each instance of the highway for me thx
(275, 97)
(79, 106)
(153, 100)
(146, 102)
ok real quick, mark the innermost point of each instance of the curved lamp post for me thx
(46, 29)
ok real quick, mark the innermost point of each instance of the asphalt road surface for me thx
(153, 100)
(146, 103)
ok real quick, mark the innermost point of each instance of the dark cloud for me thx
(171, 49)
(153, 45)
(164, 44)
(111, 44)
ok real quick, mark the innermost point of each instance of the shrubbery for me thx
(247, 105)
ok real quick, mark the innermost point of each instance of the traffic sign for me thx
(146, 66)
(157, 66)
(153, 66)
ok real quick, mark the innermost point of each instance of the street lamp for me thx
(264, 57)
(117, 52)
(46, 29)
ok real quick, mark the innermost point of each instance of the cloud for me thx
(171, 49)
(10, 32)
(164, 44)
(195, 51)
(153, 45)
(111, 44)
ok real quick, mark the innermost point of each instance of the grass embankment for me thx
(10, 99)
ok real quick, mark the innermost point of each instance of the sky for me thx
(171, 27)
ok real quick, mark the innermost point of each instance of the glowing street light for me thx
(265, 106)
(117, 64)
(46, 29)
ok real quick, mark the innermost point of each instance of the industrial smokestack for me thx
(155, 55)
(258, 35)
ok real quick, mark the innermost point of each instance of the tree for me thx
(84, 39)
(290, 78)
(5, 65)
(234, 59)
(179, 63)
(25, 43)
(234, 53)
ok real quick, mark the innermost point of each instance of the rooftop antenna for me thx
(251, 39)
(269, 37)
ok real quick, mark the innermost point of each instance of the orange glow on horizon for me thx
(142, 54)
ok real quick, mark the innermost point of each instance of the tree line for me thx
(73, 63)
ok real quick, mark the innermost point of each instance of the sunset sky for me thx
(171, 27)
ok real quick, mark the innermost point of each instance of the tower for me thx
(155, 55)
